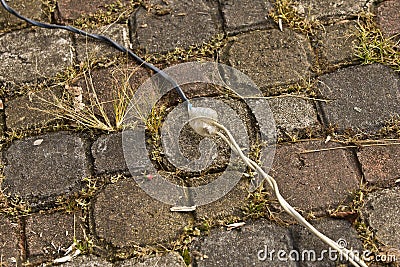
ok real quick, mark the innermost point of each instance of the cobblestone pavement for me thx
(330, 76)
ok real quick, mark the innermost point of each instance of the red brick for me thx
(316, 180)
(388, 17)
(380, 164)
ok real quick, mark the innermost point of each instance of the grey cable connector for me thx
(200, 120)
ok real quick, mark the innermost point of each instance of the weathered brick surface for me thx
(293, 113)
(328, 10)
(229, 204)
(388, 17)
(73, 9)
(355, 91)
(241, 247)
(49, 236)
(245, 15)
(316, 180)
(87, 261)
(125, 215)
(35, 53)
(267, 56)
(380, 164)
(42, 167)
(90, 49)
(32, 110)
(169, 260)
(30, 9)
(338, 230)
(10, 241)
(382, 211)
(174, 24)
(109, 147)
(336, 44)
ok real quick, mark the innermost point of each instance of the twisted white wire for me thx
(348, 254)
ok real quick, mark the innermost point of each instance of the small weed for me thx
(87, 109)
(285, 11)
(374, 47)
(210, 49)
(262, 205)
(112, 13)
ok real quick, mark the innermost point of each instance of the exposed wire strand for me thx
(104, 39)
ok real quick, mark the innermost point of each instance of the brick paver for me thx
(382, 211)
(41, 168)
(10, 240)
(388, 17)
(88, 261)
(73, 9)
(354, 92)
(32, 110)
(89, 49)
(174, 24)
(338, 230)
(50, 235)
(380, 164)
(245, 15)
(293, 113)
(134, 217)
(170, 259)
(31, 9)
(243, 246)
(335, 44)
(316, 180)
(266, 56)
(31, 54)
(328, 10)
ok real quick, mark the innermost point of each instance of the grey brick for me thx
(243, 246)
(41, 171)
(363, 97)
(31, 54)
(271, 57)
(174, 25)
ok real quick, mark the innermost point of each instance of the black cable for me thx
(103, 39)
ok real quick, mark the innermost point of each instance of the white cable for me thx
(209, 123)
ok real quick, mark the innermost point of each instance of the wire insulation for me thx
(104, 39)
